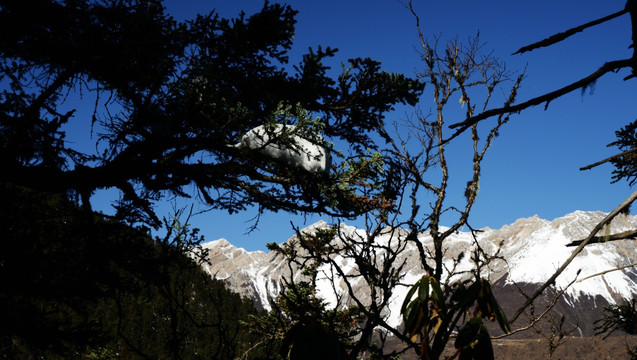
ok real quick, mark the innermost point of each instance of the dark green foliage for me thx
(626, 165)
(621, 318)
(76, 284)
(300, 327)
(618, 318)
(55, 259)
(311, 333)
(303, 325)
(166, 101)
(190, 316)
(169, 98)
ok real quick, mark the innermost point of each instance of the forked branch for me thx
(631, 8)
(546, 98)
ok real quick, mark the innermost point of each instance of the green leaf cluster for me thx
(433, 314)
(626, 165)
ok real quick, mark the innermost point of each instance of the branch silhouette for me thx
(630, 8)
(563, 35)
(627, 235)
(546, 98)
(610, 158)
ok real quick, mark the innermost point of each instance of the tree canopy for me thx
(168, 97)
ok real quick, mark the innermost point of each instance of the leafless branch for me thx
(588, 167)
(626, 235)
(563, 35)
(631, 7)
(546, 98)
(533, 321)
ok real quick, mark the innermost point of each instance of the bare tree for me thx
(406, 234)
(449, 300)
(624, 161)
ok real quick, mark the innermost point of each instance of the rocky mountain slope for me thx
(531, 248)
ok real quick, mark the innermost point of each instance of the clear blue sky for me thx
(533, 167)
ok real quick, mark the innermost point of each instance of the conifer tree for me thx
(166, 102)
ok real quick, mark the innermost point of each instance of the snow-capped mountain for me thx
(531, 249)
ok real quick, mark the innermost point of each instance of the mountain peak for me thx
(321, 224)
(222, 242)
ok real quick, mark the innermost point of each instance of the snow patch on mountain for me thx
(536, 248)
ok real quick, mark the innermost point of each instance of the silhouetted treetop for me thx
(167, 98)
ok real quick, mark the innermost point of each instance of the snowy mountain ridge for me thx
(533, 248)
(536, 248)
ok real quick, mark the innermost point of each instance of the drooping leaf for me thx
(438, 321)
(410, 316)
(484, 300)
(489, 306)
(420, 320)
(458, 293)
(423, 288)
(483, 350)
(499, 313)
(469, 332)
(437, 296)
(413, 338)
(410, 293)
(473, 341)
(466, 296)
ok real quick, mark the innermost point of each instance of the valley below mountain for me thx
(571, 348)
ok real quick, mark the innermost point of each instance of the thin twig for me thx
(534, 320)
(607, 271)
